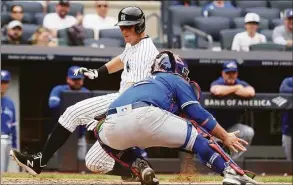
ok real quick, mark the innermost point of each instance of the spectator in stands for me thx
(74, 84)
(60, 19)
(100, 20)
(216, 4)
(287, 119)
(283, 34)
(43, 37)
(182, 2)
(16, 13)
(229, 84)
(243, 40)
(14, 34)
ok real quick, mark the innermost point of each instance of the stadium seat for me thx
(268, 34)
(28, 7)
(38, 19)
(102, 42)
(202, 3)
(281, 5)
(269, 46)
(113, 33)
(28, 30)
(4, 18)
(268, 13)
(74, 8)
(222, 12)
(178, 16)
(239, 23)
(249, 4)
(276, 22)
(227, 36)
(63, 34)
(212, 25)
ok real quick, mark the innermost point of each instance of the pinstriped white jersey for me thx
(137, 60)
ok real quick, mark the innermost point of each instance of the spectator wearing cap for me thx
(283, 34)
(287, 119)
(216, 4)
(74, 84)
(16, 13)
(100, 20)
(226, 85)
(43, 37)
(14, 34)
(60, 19)
(8, 122)
(243, 40)
(182, 2)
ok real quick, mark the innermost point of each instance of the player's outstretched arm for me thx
(112, 66)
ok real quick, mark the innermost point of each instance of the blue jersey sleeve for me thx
(287, 85)
(240, 82)
(219, 81)
(13, 127)
(189, 104)
(54, 98)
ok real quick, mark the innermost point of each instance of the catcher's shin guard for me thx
(218, 149)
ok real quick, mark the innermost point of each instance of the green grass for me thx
(163, 178)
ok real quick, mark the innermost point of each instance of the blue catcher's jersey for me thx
(54, 99)
(167, 91)
(8, 121)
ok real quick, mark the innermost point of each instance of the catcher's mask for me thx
(166, 61)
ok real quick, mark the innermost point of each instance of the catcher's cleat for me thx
(31, 163)
(232, 178)
(146, 172)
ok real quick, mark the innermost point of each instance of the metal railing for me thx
(159, 25)
(197, 32)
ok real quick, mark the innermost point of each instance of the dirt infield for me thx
(61, 178)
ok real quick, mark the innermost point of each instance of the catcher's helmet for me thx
(132, 16)
(166, 61)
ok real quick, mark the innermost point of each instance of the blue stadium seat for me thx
(281, 5)
(178, 16)
(276, 22)
(113, 33)
(268, 13)
(28, 30)
(202, 3)
(38, 19)
(212, 25)
(74, 8)
(268, 33)
(239, 23)
(222, 12)
(227, 36)
(249, 4)
(102, 42)
(28, 7)
(5, 17)
(63, 35)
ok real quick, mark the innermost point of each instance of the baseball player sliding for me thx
(136, 60)
(143, 117)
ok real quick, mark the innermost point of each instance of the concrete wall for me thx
(148, 7)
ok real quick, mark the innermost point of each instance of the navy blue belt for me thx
(133, 106)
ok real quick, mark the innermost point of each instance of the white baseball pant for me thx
(83, 112)
(146, 127)
(5, 148)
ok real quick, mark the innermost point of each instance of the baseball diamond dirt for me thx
(64, 178)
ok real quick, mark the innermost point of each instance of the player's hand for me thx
(234, 143)
(90, 73)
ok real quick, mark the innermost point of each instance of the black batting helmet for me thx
(132, 16)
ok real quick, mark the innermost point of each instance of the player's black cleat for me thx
(31, 163)
(148, 176)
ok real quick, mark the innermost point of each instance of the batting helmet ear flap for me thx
(196, 88)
